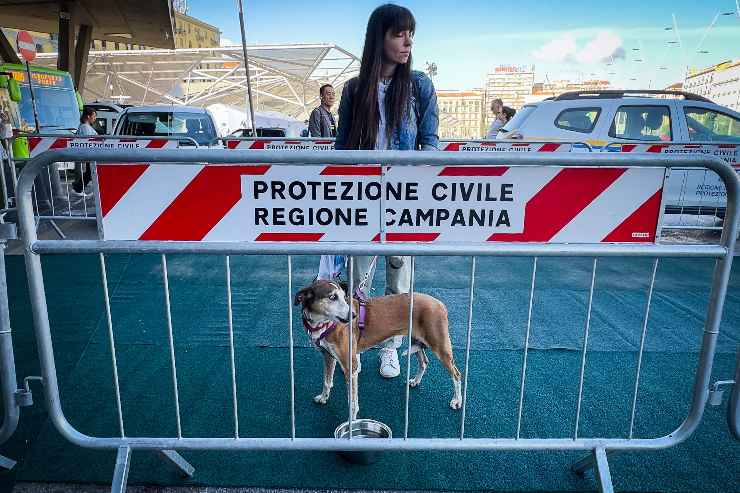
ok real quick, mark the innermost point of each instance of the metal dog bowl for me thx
(362, 429)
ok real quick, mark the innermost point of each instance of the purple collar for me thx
(325, 328)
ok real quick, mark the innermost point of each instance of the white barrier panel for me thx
(690, 187)
(280, 144)
(339, 203)
(37, 145)
(454, 146)
(493, 146)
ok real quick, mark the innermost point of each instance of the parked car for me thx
(108, 114)
(597, 118)
(635, 117)
(168, 121)
(261, 132)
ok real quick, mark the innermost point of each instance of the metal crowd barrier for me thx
(53, 199)
(695, 198)
(598, 447)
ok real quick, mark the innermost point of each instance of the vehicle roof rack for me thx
(620, 93)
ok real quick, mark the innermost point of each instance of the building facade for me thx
(510, 83)
(460, 114)
(557, 87)
(720, 83)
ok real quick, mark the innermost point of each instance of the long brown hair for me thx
(365, 109)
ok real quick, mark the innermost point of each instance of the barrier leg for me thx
(177, 460)
(120, 474)
(603, 476)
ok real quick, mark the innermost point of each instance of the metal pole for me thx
(33, 99)
(246, 66)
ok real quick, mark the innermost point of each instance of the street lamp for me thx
(431, 70)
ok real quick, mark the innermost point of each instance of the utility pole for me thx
(246, 67)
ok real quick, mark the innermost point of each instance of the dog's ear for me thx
(303, 296)
(344, 286)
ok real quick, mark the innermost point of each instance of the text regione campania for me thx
(457, 203)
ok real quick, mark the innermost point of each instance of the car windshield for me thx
(518, 119)
(197, 126)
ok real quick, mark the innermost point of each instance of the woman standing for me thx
(388, 106)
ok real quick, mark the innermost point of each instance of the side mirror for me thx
(15, 91)
(80, 103)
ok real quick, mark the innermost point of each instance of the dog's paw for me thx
(456, 403)
(414, 382)
(321, 399)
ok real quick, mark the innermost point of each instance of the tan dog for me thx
(326, 315)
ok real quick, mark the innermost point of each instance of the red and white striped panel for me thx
(493, 146)
(37, 145)
(280, 145)
(727, 152)
(446, 204)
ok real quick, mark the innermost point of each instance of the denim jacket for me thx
(404, 137)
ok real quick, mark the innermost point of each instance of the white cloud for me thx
(227, 42)
(557, 50)
(602, 46)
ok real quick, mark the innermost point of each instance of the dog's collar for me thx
(320, 330)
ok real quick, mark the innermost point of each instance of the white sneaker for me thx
(389, 366)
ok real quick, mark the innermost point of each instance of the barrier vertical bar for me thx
(408, 355)
(526, 351)
(290, 344)
(232, 359)
(51, 192)
(112, 342)
(642, 347)
(467, 347)
(8, 378)
(171, 343)
(350, 395)
(6, 195)
(585, 348)
(69, 197)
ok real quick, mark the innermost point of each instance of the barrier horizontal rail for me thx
(125, 444)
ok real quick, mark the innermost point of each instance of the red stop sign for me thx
(26, 46)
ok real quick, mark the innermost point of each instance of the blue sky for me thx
(465, 38)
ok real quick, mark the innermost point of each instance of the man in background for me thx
(322, 123)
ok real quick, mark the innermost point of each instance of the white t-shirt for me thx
(381, 140)
(86, 129)
(495, 126)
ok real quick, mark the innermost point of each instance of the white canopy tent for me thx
(285, 78)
